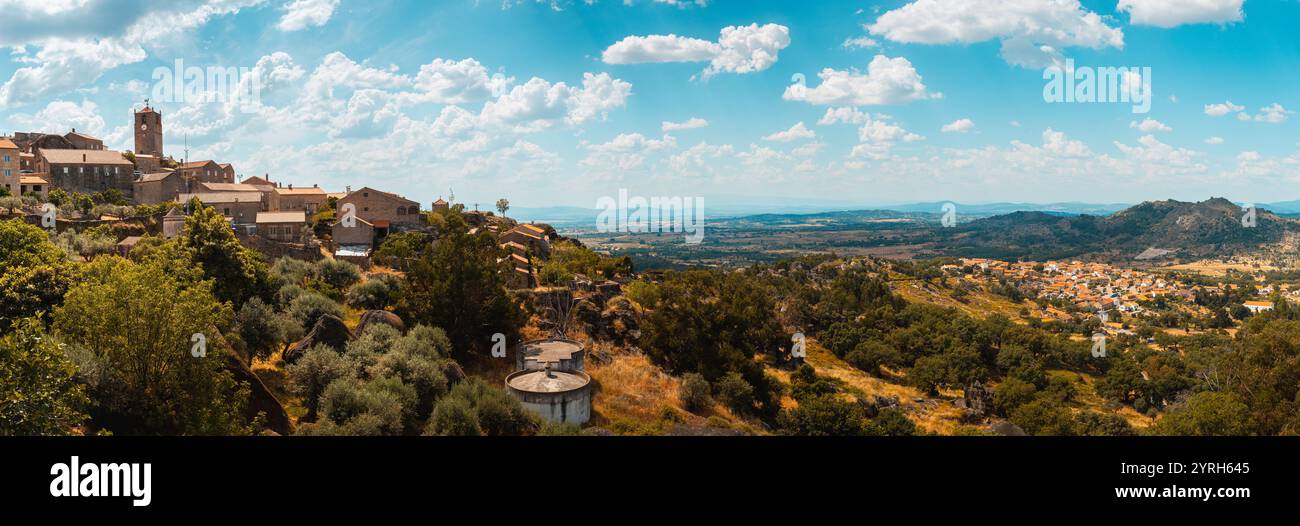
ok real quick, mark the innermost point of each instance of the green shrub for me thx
(473, 407)
(308, 308)
(374, 294)
(339, 274)
(734, 391)
(316, 370)
(694, 392)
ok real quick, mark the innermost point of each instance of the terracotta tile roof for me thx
(84, 157)
(223, 197)
(149, 178)
(282, 217)
(300, 191)
(6, 144)
(197, 164)
(230, 187)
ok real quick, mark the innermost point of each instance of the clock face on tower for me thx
(144, 127)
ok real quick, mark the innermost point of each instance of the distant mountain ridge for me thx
(1208, 228)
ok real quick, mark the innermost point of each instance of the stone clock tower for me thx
(148, 132)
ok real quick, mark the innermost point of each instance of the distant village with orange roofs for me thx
(1101, 286)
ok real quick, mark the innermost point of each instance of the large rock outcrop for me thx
(329, 331)
(381, 317)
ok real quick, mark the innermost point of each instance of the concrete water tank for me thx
(558, 396)
(562, 355)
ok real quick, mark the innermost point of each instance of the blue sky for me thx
(561, 102)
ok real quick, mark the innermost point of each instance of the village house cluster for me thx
(1098, 286)
(269, 215)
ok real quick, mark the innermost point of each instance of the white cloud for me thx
(739, 49)
(1214, 140)
(457, 82)
(626, 152)
(1160, 159)
(798, 132)
(860, 42)
(80, 41)
(1219, 110)
(1149, 125)
(1272, 114)
(690, 124)
(1057, 143)
(845, 114)
(958, 126)
(1033, 32)
(808, 149)
(1171, 13)
(660, 48)
(700, 160)
(302, 14)
(62, 116)
(887, 81)
(538, 104)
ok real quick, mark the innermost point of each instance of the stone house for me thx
(87, 171)
(531, 236)
(81, 141)
(34, 184)
(304, 199)
(241, 208)
(207, 172)
(378, 207)
(285, 227)
(161, 187)
(10, 166)
(362, 233)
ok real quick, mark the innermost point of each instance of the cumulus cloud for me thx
(302, 14)
(1033, 33)
(886, 81)
(1272, 114)
(798, 132)
(689, 124)
(1214, 140)
(76, 42)
(846, 115)
(626, 152)
(1149, 125)
(61, 116)
(1158, 158)
(958, 126)
(739, 49)
(457, 82)
(1219, 110)
(538, 104)
(1056, 143)
(860, 42)
(1171, 13)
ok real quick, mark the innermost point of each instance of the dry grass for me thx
(1087, 399)
(934, 415)
(271, 372)
(633, 396)
(976, 304)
